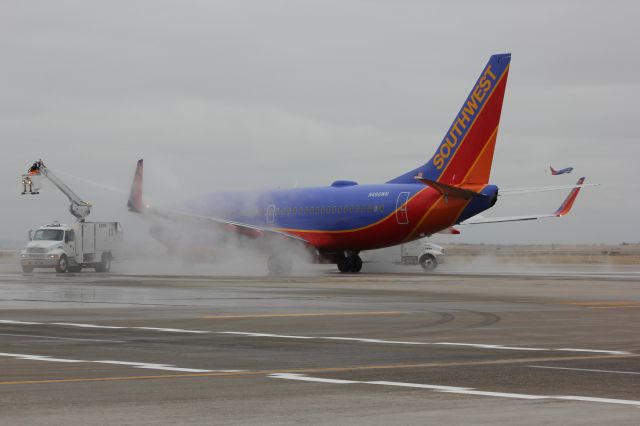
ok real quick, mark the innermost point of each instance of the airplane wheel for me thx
(62, 264)
(356, 264)
(280, 264)
(428, 262)
(344, 265)
(351, 264)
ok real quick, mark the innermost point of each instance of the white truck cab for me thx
(421, 252)
(73, 247)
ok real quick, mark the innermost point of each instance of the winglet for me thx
(566, 205)
(135, 197)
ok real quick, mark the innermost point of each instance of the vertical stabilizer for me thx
(465, 154)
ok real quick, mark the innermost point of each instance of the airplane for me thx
(555, 172)
(335, 223)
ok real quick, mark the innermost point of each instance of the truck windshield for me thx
(48, 234)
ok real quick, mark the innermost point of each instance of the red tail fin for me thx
(466, 152)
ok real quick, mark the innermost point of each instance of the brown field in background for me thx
(622, 254)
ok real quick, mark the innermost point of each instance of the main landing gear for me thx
(350, 264)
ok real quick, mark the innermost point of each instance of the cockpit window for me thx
(48, 235)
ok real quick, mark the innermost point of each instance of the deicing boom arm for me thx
(78, 208)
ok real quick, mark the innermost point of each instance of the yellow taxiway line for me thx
(310, 314)
(604, 304)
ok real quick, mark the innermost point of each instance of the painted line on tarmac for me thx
(456, 390)
(286, 336)
(144, 365)
(310, 314)
(584, 369)
(71, 324)
(106, 327)
(605, 304)
(594, 351)
(171, 330)
(399, 342)
(318, 369)
(486, 346)
(62, 338)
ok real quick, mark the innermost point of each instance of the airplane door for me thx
(401, 208)
(271, 213)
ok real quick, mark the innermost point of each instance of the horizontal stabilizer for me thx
(449, 190)
(564, 209)
(449, 231)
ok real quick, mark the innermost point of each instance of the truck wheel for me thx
(62, 264)
(105, 264)
(428, 262)
(27, 269)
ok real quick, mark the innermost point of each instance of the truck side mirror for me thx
(30, 234)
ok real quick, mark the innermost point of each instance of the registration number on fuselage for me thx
(378, 194)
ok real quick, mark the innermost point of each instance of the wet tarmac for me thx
(505, 347)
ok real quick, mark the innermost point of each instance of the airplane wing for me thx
(564, 209)
(135, 204)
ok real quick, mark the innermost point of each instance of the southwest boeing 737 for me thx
(337, 222)
(555, 172)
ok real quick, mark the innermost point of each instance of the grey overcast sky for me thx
(257, 94)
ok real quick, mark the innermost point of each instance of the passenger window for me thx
(370, 209)
(381, 208)
(69, 236)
